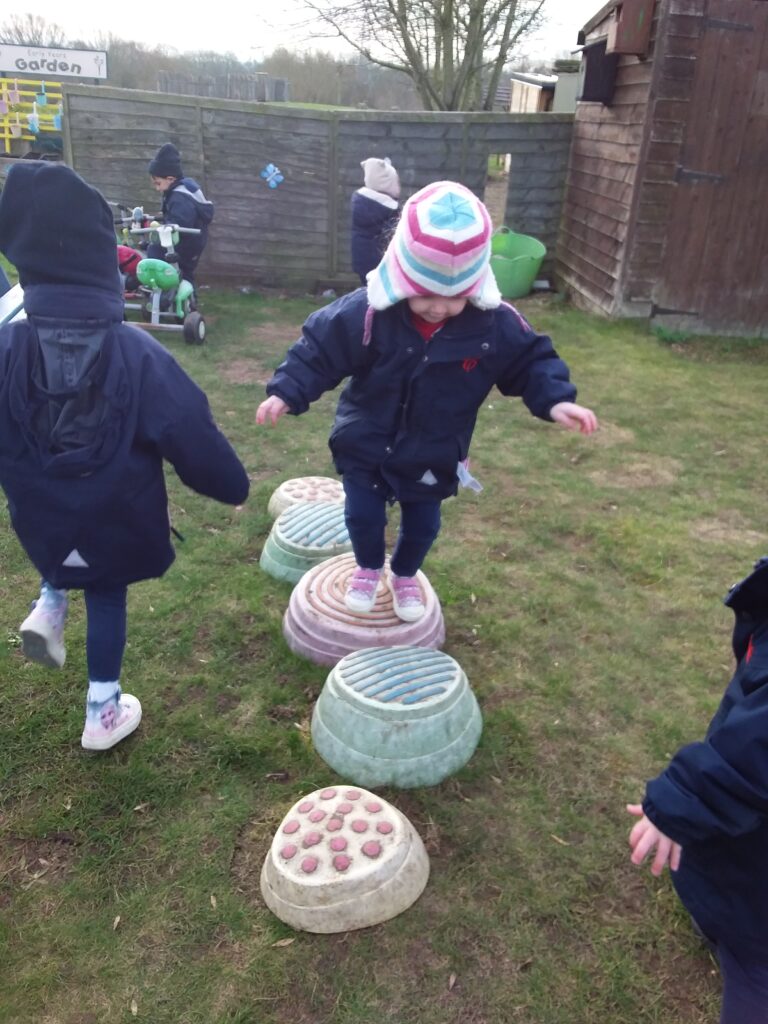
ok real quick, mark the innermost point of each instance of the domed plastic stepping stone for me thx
(399, 716)
(322, 879)
(303, 536)
(318, 625)
(305, 488)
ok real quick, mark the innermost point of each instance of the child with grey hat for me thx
(375, 211)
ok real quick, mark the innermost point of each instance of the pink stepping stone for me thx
(318, 625)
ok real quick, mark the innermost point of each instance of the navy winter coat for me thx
(184, 204)
(373, 223)
(713, 796)
(89, 408)
(410, 406)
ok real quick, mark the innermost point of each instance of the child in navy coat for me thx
(706, 816)
(374, 214)
(89, 409)
(423, 346)
(183, 204)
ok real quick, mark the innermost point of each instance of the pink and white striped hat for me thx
(441, 246)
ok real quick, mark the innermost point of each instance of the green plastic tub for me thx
(515, 261)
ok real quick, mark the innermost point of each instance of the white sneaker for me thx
(113, 727)
(42, 633)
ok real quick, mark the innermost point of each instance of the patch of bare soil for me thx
(642, 473)
(245, 371)
(25, 863)
(726, 528)
(611, 434)
(251, 848)
(275, 333)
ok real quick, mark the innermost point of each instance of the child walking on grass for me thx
(706, 816)
(423, 345)
(89, 408)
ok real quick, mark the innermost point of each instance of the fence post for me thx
(333, 196)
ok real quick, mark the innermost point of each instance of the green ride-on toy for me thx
(166, 301)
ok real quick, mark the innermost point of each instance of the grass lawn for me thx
(582, 595)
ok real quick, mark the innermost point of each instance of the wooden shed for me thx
(666, 207)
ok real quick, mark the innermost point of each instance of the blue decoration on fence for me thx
(272, 175)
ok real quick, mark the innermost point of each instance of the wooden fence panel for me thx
(297, 234)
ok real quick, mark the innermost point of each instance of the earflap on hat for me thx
(441, 246)
(381, 176)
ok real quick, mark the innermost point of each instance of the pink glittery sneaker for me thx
(361, 590)
(407, 599)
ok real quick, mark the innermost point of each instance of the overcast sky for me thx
(250, 30)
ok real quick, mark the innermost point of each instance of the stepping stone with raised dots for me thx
(343, 859)
(396, 716)
(318, 625)
(305, 488)
(302, 536)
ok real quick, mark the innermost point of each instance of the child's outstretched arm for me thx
(645, 838)
(176, 418)
(539, 376)
(574, 417)
(330, 349)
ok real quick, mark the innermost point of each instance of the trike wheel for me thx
(194, 329)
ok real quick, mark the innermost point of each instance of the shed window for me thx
(599, 73)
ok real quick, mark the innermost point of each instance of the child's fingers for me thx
(635, 809)
(674, 860)
(662, 856)
(589, 424)
(642, 840)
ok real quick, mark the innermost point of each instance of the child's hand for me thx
(271, 408)
(644, 837)
(574, 417)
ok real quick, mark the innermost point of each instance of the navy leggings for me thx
(365, 513)
(106, 633)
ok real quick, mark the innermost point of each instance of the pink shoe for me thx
(361, 590)
(111, 729)
(406, 598)
(42, 632)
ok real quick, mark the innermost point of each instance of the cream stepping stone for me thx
(305, 488)
(343, 859)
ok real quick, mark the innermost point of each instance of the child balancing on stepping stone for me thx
(423, 345)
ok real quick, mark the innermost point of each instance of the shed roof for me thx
(595, 20)
(532, 78)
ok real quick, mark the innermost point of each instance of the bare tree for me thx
(31, 30)
(449, 48)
